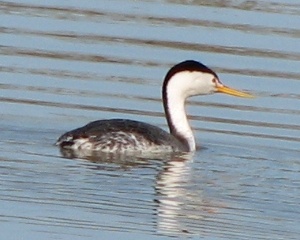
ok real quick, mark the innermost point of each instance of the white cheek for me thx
(186, 84)
(203, 88)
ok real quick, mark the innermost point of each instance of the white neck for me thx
(179, 121)
(174, 100)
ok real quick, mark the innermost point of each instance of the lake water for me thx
(66, 63)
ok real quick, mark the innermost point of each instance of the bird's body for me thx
(116, 135)
(186, 79)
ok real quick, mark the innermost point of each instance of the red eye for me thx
(216, 81)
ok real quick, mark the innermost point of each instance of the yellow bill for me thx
(231, 91)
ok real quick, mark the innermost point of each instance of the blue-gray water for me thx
(65, 63)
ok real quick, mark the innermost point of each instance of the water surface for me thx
(64, 64)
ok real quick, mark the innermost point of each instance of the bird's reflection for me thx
(180, 202)
(120, 160)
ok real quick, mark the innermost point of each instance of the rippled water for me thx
(65, 63)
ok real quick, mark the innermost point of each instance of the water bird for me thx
(185, 79)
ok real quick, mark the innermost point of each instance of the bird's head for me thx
(191, 78)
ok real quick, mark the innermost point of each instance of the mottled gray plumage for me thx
(105, 135)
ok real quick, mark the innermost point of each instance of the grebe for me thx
(186, 79)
